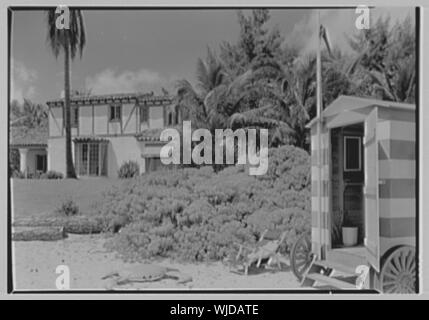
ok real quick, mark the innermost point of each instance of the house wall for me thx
(55, 117)
(156, 117)
(85, 120)
(121, 149)
(100, 119)
(94, 120)
(129, 117)
(57, 154)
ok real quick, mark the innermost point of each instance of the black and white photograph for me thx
(213, 149)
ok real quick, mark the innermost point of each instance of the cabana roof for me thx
(352, 106)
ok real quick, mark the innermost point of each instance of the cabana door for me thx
(371, 240)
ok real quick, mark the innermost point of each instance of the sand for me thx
(35, 264)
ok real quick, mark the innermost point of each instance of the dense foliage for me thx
(197, 214)
(262, 81)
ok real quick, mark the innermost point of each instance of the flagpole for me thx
(319, 128)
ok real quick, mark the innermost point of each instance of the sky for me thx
(147, 50)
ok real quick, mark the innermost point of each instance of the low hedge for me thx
(38, 233)
(74, 224)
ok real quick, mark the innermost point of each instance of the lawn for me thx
(37, 197)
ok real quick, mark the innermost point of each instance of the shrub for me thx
(199, 215)
(35, 175)
(51, 174)
(129, 169)
(18, 174)
(67, 208)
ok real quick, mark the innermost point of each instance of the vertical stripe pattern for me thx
(397, 178)
(320, 189)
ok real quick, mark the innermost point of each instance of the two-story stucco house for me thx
(108, 130)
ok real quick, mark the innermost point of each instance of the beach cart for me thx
(363, 198)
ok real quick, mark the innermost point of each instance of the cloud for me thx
(143, 80)
(22, 81)
(340, 24)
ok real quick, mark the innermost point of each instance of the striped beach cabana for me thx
(363, 194)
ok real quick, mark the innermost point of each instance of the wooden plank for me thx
(346, 269)
(333, 282)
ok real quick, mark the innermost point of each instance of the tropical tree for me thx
(385, 60)
(224, 101)
(28, 114)
(68, 41)
(231, 90)
(209, 74)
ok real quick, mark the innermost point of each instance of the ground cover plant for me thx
(200, 215)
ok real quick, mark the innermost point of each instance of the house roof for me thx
(142, 99)
(352, 103)
(21, 136)
(154, 134)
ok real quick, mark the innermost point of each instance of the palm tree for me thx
(385, 61)
(210, 75)
(227, 101)
(69, 41)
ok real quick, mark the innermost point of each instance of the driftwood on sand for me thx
(38, 233)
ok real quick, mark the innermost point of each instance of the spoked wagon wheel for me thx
(398, 274)
(300, 256)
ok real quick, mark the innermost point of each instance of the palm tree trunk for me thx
(70, 172)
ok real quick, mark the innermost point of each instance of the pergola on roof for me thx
(142, 99)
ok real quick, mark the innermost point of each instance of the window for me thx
(91, 159)
(41, 162)
(144, 114)
(352, 153)
(155, 164)
(74, 117)
(115, 113)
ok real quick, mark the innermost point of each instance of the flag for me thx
(323, 35)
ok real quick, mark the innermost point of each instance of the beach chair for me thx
(266, 251)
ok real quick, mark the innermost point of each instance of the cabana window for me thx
(352, 153)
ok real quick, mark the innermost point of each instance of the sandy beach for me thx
(35, 264)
